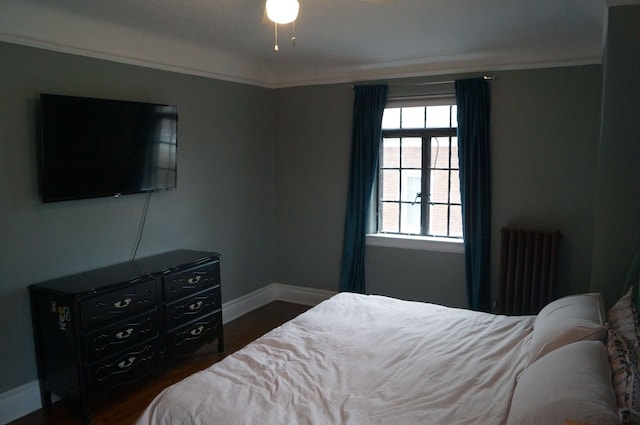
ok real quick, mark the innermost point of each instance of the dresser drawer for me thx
(193, 280)
(185, 340)
(120, 303)
(187, 309)
(124, 368)
(106, 341)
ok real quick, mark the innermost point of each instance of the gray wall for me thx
(224, 200)
(313, 130)
(544, 135)
(436, 277)
(617, 225)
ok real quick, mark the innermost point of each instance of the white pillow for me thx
(569, 385)
(566, 320)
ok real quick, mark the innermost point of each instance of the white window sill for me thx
(422, 243)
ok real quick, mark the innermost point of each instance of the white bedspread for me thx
(357, 359)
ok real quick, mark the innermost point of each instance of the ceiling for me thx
(337, 40)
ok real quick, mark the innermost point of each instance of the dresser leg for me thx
(84, 408)
(85, 414)
(45, 396)
(221, 344)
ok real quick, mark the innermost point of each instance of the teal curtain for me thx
(368, 107)
(472, 98)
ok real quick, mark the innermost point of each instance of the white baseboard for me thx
(299, 294)
(24, 399)
(20, 401)
(274, 292)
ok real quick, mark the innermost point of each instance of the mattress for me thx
(361, 359)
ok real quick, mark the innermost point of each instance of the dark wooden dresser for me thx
(105, 328)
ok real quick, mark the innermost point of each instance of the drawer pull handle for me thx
(125, 364)
(197, 331)
(124, 334)
(194, 280)
(122, 304)
(195, 306)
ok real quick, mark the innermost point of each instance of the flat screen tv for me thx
(98, 147)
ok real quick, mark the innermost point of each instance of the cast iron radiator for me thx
(528, 265)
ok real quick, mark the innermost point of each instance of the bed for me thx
(365, 359)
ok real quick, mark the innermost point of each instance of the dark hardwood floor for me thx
(124, 407)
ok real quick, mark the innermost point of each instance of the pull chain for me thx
(293, 33)
(276, 46)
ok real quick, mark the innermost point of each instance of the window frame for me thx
(452, 244)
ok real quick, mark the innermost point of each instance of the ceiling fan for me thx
(282, 12)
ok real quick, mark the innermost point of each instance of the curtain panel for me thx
(368, 107)
(472, 98)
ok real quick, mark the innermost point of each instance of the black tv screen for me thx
(99, 147)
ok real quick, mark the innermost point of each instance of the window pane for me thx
(438, 220)
(411, 185)
(391, 118)
(439, 187)
(389, 217)
(410, 218)
(455, 187)
(454, 152)
(455, 221)
(390, 185)
(454, 116)
(438, 116)
(440, 152)
(390, 152)
(411, 152)
(413, 117)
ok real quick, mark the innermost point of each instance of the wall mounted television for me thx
(100, 147)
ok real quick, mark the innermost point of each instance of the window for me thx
(418, 180)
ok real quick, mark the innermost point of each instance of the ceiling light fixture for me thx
(283, 12)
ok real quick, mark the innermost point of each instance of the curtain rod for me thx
(430, 83)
